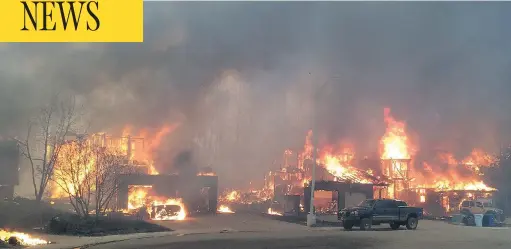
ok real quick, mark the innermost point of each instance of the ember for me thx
(21, 238)
(233, 195)
(206, 174)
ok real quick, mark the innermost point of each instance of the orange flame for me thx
(206, 174)
(133, 147)
(395, 143)
(233, 196)
(271, 212)
(164, 215)
(68, 173)
(477, 159)
(140, 196)
(23, 238)
(150, 144)
(452, 178)
(225, 209)
(448, 158)
(307, 150)
(340, 165)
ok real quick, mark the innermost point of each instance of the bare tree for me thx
(74, 174)
(44, 139)
(87, 174)
(109, 165)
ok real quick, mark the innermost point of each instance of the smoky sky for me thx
(240, 77)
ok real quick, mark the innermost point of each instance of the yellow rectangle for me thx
(53, 21)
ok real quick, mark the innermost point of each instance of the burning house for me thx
(339, 178)
(192, 194)
(442, 189)
(437, 182)
(139, 187)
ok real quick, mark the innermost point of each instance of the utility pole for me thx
(311, 217)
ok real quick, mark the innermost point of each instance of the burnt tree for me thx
(46, 134)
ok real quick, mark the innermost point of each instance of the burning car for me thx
(166, 212)
(170, 209)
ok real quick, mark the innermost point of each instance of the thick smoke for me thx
(183, 163)
(236, 76)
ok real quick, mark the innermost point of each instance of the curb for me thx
(142, 236)
(79, 245)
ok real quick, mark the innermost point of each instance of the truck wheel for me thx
(347, 225)
(394, 225)
(411, 223)
(365, 224)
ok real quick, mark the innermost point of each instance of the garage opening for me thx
(325, 202)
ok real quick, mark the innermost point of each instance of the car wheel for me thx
(411, 223)
(347, 225)
(365, 224)
(394, 225)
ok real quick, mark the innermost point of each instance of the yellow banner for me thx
(71, 21)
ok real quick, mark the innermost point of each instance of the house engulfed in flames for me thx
(139, 191)
(438, 182)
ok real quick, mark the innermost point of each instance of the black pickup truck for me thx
(377, 211)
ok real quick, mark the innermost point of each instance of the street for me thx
(322, 242)
(252, 231)
(242, 222)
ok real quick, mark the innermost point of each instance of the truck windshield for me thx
(366, 203)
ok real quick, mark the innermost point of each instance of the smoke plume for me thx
(240, 77)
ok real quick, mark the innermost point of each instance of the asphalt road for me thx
(232, 222)
(291, 243)
(255, 232)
